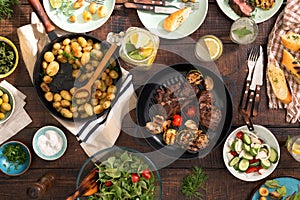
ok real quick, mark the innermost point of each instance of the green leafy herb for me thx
(192, 182)
(116, 181)
(14, 154)
(65, 8)
(272, 184)
(7, 57)
(6, 7)
(242, 32)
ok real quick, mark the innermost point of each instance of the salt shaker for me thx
(37, 190)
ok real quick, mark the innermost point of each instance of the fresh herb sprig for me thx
(193, 182)
(242, 32)
(6, 7)
(14, 154)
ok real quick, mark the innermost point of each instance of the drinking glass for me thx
(244, 31)
(139, 48)
(293, 147)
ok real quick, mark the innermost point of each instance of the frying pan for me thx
(63, 80)
(167, 77)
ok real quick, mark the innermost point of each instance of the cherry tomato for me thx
(251, 169)
(234, 153)
(108, 183)
(177, 120)
(135, 178)
(239, 134)
(191, 111)
(146, 174)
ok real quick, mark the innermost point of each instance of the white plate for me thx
(268, 138)
(154, 22)
(81, 26)
(259, 15)
(42, 131)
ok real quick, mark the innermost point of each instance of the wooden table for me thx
(221, 184)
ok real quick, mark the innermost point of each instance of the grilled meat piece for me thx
(241, 7)
(200, 142)
(156, 126)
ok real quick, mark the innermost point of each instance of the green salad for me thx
(124, 176)
(7, 57)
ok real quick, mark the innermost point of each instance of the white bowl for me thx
(268, 138)
(43, 132)
(11, 102)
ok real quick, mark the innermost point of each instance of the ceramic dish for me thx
(268, 138)
(291, 184)
(11, 102)
(45, 137)
(154, 22)
(9, 168)
(16, 54)
(259, 15)
(80, 26)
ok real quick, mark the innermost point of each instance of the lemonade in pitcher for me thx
(293, 146)
(139, 48)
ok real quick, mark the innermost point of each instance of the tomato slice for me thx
(146, 174)
(177, 120)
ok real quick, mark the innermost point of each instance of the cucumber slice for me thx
(246, 139)
(234, 161)
(266, 164)
(256, 146)
(247, 156)
(273, 155)
(255, 164)
(233, 145)
(246, 147)
(243, 165)
(253, 152)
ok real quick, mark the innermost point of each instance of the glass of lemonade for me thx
(244, 31)
(139, 48)
(208, 48)
(293, 147)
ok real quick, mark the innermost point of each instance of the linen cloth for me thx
(288, 20)
(19, 119)
(93, 135)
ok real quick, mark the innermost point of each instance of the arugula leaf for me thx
(242, 32)
(192, 182)
(272, 184)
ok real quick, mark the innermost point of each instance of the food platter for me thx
(146, 110)
(80, 26)
(291, 184)
(265, 135)
(259, 15)
(154, 22)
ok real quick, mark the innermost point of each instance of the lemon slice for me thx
(139, 40)
(296, 147)
(55, 3)
(214, 48)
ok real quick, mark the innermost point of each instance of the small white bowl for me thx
(11, 102)
(267, 136)
(41, 132)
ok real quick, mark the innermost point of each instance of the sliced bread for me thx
(291, 41)
(291, 64)
(174, 20)
(279, 84)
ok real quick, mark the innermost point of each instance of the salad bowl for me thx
(251, 156)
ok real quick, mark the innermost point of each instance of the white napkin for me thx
(19, 119)
(91, 136)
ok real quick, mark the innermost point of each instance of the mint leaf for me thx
(242, 32)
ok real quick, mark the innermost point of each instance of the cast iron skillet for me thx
(145, 112)
(63, 80)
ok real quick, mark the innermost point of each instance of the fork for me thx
(96, 1)
(252, 58)
(180, 5)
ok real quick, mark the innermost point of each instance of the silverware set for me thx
(251, 96)
(160, 6)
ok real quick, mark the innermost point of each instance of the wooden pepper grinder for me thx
(37, 190)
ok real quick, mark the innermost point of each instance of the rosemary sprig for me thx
(192, 182)
(6, 10)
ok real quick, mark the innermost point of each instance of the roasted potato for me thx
(53, 68)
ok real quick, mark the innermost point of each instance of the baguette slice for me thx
(291, 64)
(278, 83)
(174, 20)
(291, 41)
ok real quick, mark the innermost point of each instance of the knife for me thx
(155, 9)
(256, 83)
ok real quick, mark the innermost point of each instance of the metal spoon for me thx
(87, 187)
(85, 91)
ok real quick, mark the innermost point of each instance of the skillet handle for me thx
(42, 15)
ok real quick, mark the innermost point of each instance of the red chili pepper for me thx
(146, 174)
(251, 169)
(239, 134)
(108, 183)
(177, 120)
(234, 153)
(135, 178)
